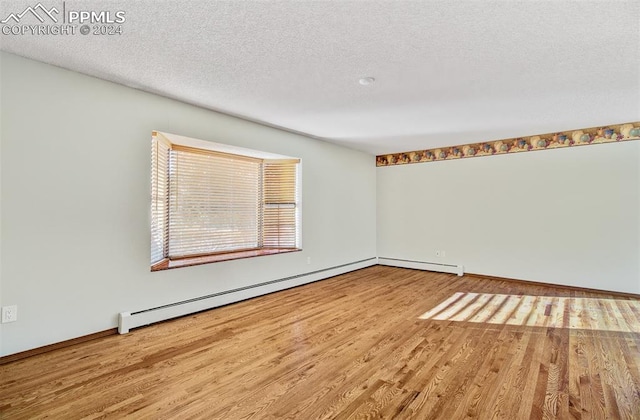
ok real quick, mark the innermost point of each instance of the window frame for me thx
(163, 185)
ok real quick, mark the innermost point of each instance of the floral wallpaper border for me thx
(584, 136)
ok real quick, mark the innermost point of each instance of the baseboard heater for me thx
(422, 265)
(129, 320)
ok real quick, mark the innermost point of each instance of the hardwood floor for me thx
(355, 346)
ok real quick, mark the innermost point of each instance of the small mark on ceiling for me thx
(366, 81)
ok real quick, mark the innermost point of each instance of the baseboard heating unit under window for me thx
(422, 265)
(129, 320)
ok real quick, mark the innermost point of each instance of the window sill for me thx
(207, 259)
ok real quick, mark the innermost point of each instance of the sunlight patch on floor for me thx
(540, 311)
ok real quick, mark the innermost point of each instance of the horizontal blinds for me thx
(159, 200)
(207, 202)
(280, 205)
(215, 203)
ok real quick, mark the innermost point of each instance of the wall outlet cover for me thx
(9, 314)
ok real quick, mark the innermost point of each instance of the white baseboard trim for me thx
(422, 265)
(129, 320)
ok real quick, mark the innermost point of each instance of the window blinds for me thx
(214, 203)
(206, 202)
(280, 204)
(159, 200)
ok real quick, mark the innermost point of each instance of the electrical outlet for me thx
(9, 314)
(443, 253)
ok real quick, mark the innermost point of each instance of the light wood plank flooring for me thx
(355, 346)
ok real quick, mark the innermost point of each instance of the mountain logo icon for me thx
(39, 11)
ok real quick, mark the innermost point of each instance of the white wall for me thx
(569, 216)
(75, 157)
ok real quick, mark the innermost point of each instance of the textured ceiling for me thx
(446, 72)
